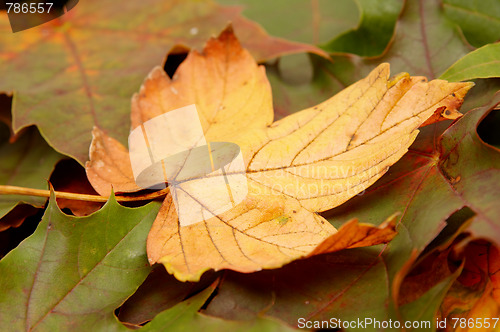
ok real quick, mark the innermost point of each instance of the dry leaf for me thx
(305, 163)
(109, 166)
(113, 48)
(476, 293)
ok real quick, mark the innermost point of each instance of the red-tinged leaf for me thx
(425, 43)
(362, 130)
(476, 293)
(185, 316)
(428, 185)
(435, 264)
(352, 285)
(81, 69)
(319, 288)
(73, 272)
(422, 314)
(428, 273)
(109, 168)
(473, 170)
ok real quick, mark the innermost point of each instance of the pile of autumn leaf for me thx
(403, 222)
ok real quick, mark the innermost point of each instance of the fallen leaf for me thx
(75, 271)
(476, 293)
(319, 288)
(109, 167)
(374, 32)
(472, 169)
(301, 80)
(478, 20)
(437, 177)
(425, 43)
(359, 132)
(307, 22)
(355, 235)
(76, 78)
(160, 291)
(481, 63)
(338, 292)
(423, 311)
(185, 316)
(27, 162)
(434, 266)
(482, 266)
(99, 261)
(293, 291)
(426, 274)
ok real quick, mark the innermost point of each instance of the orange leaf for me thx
(305, 163)
(109, 166)
(476, 293)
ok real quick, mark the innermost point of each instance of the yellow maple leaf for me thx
(306, 163)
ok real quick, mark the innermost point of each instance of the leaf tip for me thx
(391, 221)
(52, 192)
(181, 275)
(396, 79)
(228, 30)
(112, 197)
(53, 200)
(448, 109)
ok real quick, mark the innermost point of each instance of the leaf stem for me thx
(13, 190)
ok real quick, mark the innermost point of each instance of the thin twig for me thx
(13, 190)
